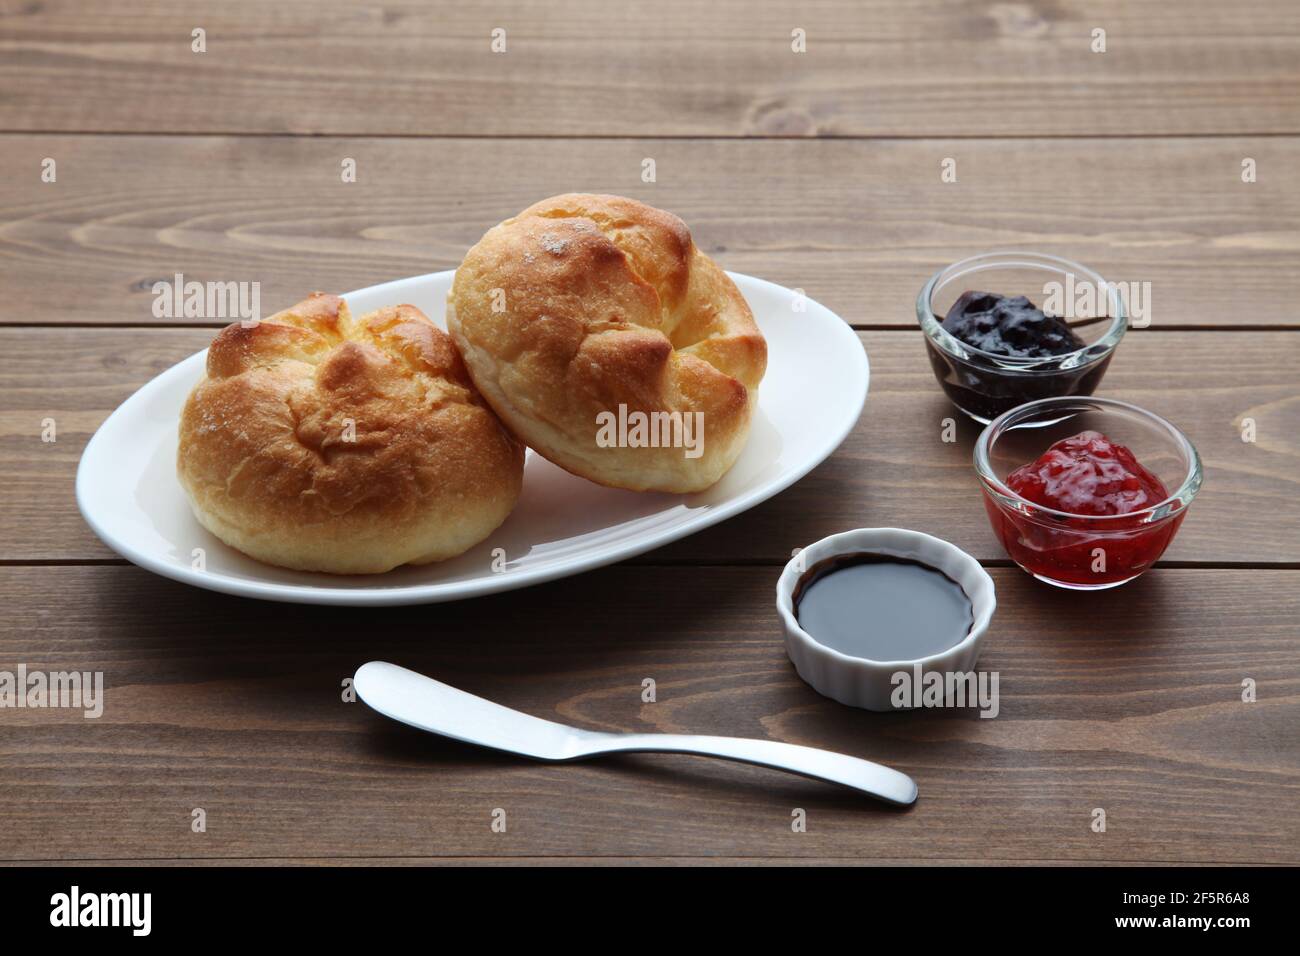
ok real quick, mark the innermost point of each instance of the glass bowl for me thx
(1084, 552)
(984, 385)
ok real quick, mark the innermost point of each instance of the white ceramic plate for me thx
(813, 392)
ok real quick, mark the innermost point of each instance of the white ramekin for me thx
(857, 681)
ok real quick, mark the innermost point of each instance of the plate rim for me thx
(439, 593)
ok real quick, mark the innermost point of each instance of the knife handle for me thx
(861, 775)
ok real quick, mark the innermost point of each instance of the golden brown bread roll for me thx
(326, 443)
(585, 312)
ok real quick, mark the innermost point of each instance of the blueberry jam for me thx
(1012, 326)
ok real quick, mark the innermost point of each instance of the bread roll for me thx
(326, 443)
(608, 342)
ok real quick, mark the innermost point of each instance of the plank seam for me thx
(995, 563)
(674, 137)
(651, 856)
(855, 326)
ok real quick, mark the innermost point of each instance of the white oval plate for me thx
(812, 395)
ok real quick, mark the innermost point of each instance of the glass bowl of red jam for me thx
(1006, 328)
(1085, 493)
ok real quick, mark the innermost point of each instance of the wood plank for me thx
(893, 470)
(549, 861)
(675, 68)
(859, 225)
(1132, 704)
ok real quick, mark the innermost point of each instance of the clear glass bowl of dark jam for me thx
(1085, 493)
(1006, 328)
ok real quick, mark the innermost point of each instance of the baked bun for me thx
(326, 443)
(585, 312)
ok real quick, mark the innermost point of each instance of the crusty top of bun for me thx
(584, 303)
(325, 442)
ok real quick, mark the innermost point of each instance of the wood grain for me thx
(894, 469)
(819, 171)
(551, 861)
(235, 706)
(858, 225)
(676, 67)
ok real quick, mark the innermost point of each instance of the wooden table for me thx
(820, 170)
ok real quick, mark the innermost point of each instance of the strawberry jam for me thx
(1089, 477)
(1088, 474)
